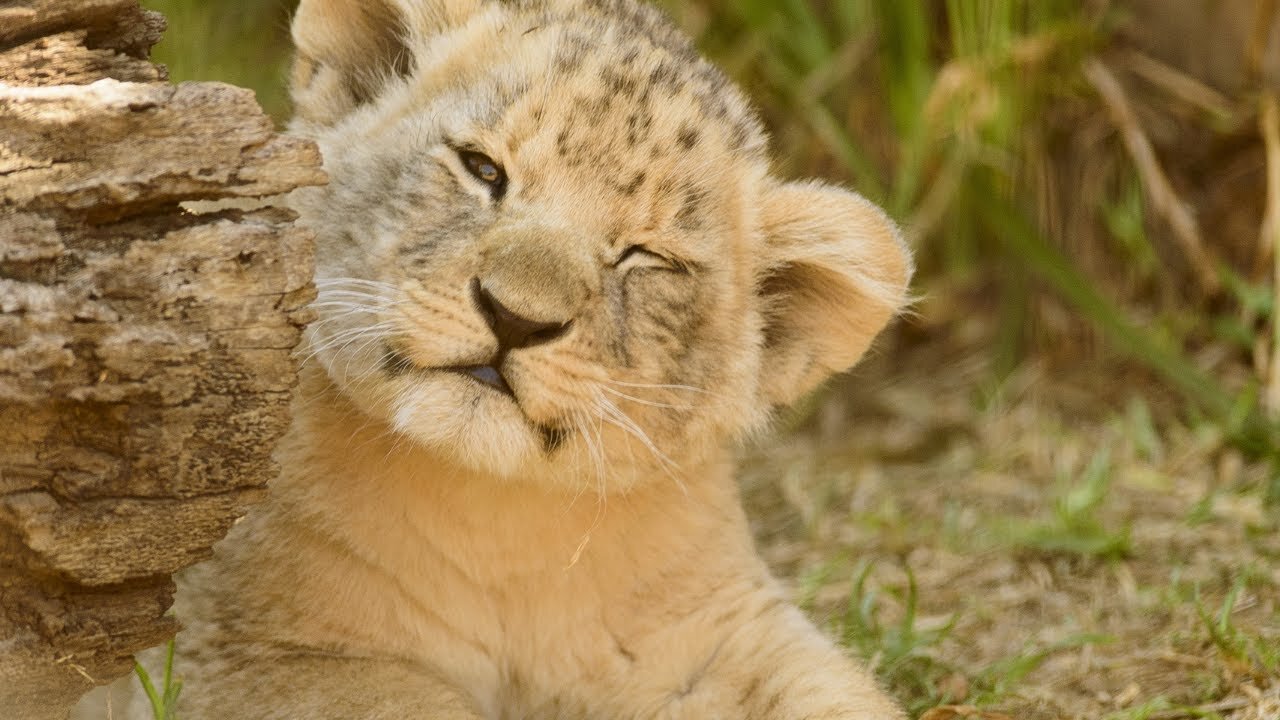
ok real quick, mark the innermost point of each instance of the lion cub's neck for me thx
(399, 503)
(369, 545)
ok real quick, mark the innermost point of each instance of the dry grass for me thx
(1072, 556)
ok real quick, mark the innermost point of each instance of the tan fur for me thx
(436, 549)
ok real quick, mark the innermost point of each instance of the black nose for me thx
(514, 331)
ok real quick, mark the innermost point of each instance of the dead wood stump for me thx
(145, 351)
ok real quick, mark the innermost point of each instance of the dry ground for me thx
(1075, 552)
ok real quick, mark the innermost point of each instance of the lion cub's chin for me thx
(481, 431)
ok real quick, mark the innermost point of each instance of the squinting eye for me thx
(639, 256)
(486, 170)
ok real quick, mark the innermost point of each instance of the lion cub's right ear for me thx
(347, 50)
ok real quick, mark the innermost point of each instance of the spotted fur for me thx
(545, 527)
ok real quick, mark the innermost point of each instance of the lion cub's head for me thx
(551, 247)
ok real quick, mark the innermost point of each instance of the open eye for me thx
(486, 170)
(639, 256)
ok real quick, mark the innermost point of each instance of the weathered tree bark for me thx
(145, 351)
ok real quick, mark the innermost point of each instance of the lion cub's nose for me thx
(514, 331)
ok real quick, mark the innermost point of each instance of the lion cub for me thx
(556, 281)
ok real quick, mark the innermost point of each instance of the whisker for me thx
(360, 351)
(341, 336)
(597, 453)
(351, 304)
(605, 413)
(650, 403)
(659, 386)
(614, 414)
(327, 282)
(339, 346)
(574, 426)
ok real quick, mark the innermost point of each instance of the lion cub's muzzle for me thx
(513, 332)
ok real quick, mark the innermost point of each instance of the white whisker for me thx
(328, 282)
(344, 338)
(614, 415)
(660, 386)
(351, 305)
(640, 401)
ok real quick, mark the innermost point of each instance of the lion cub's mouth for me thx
(485, 375)
(395, 362)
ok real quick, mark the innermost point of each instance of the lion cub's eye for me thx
(639, 256)
(486, 170)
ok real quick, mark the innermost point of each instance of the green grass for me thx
(1075, 528)
(882, 624)
(899, 650)
(1248, 651)
(164, 700)
(994, 683)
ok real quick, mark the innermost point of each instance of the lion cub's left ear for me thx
(835, 271)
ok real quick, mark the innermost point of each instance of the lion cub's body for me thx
(556, 282)
(666, 612)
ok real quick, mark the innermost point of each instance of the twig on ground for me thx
(1160, 192)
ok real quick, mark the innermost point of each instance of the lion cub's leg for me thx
(775, 665)
(314, 686)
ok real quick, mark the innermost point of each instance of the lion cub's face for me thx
(551, 249)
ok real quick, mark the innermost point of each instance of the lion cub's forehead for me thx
(630, 95)
(616, 72)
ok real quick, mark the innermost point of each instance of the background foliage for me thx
(1086, 187)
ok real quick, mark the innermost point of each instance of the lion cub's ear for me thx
(836, 270)
(347, 50)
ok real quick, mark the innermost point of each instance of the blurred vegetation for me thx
(977, 124)
(242, 42)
